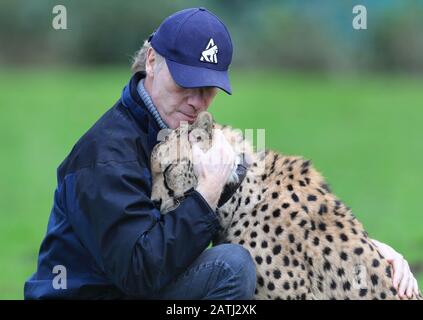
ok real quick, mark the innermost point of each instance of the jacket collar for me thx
(133, 102)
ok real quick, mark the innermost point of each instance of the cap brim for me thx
(196, 77)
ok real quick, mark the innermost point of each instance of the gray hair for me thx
(140, 58)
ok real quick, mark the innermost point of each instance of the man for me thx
(106, 232)
(104, 229)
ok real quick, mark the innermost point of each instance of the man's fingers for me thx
(403, 280)
(410, 293)
(404, 283)
(410, 288)
(403, 286)
(197, 156)
(229, 156)
(398, 272)
(416, 288)
(196, 151)
(226, 151)
(218, 137)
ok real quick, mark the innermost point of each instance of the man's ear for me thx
(204, 121)
(150, 62)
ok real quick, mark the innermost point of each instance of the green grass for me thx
(363, 133)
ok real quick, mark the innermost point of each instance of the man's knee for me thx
(242, 267)
(236, 256)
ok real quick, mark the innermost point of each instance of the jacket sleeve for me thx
(141, 249)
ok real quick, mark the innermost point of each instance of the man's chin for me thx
(175, 123)
(177, 118)
(184, 118)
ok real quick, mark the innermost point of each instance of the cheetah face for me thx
(171, 161)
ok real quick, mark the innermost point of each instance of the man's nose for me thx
(196, 99)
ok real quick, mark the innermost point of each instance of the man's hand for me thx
(213, 167)
(403, 279)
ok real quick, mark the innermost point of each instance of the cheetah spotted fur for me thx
(305, 242)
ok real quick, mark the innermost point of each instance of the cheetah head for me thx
(171, 160)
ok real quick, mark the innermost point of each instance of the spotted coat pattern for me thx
(306, 243)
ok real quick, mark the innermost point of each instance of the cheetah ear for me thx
(204, 121)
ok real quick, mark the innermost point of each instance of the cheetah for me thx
(305, 242)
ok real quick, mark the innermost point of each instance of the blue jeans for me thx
(223, 272)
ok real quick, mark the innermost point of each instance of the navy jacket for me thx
(103, 227)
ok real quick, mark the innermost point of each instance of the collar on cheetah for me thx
(230, 189)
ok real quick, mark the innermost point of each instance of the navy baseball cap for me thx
(197, 48)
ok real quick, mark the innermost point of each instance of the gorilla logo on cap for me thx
(210, 54)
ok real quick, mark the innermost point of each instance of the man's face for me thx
(174, 103)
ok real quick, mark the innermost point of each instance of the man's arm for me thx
(403, 279)
(140, 249)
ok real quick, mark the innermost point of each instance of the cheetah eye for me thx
(167, 169)
(194, 137)
(165, 175)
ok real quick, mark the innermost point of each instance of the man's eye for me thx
(208, 91)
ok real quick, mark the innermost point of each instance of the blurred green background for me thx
(352, 101)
